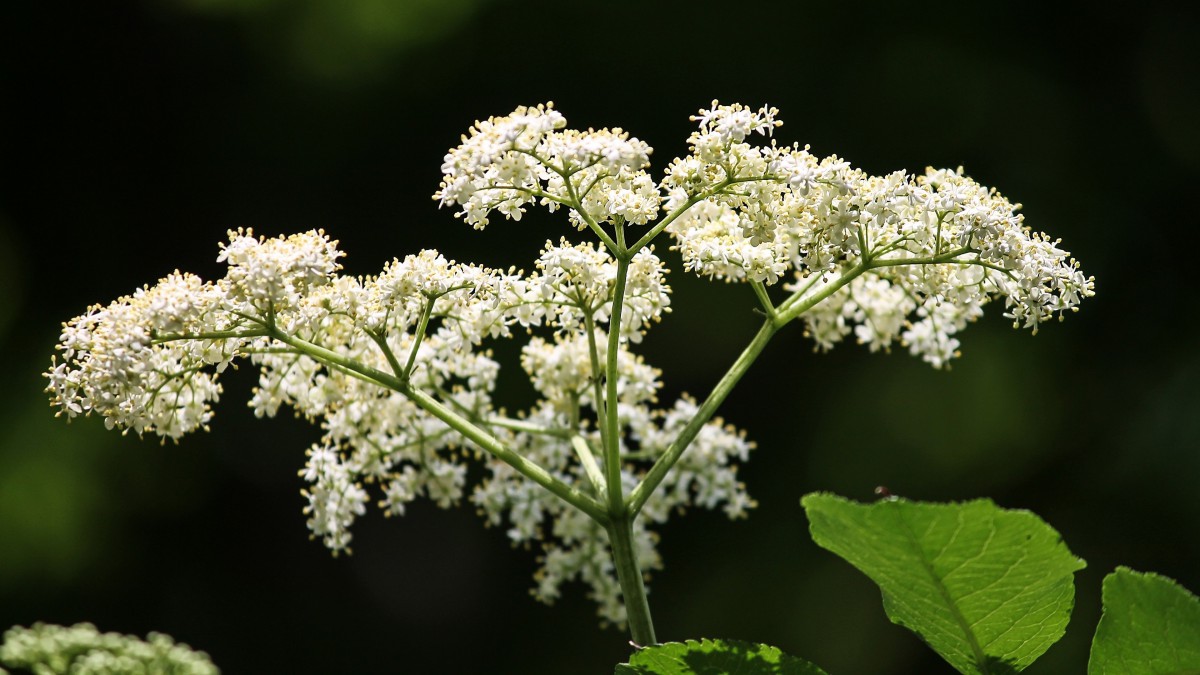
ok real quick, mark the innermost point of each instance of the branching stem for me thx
(423, 326)
(462, 425)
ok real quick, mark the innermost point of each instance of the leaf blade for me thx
(989, 589)
(1150, 626)
(715, 657)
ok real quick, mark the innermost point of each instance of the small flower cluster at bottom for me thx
(83, 650)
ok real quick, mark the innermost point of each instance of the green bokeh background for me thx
(135, 133)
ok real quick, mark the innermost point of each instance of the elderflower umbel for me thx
(507, 162)
(394, 368)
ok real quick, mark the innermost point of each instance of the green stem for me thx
(639, 495)
(943, 259)
(381, 342)
(798, 303)
(620, 527)
(211, 335)
(760, 291)
(426, 312)
(629, 574)
(612, 446)
(328, 356)
(587, 218)
(588, 460)
(790, 309)
(948, 256)
(636, 606)
(529, 469)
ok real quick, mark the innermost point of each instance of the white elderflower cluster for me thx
(149, 362)
(939, 245)
(395, 371)
(114, 366)
(124, 363)
(83, 650)
(936, 247)
(424, 315)
(562, 372)
(526, 157)
(275, 274)
(578, 281)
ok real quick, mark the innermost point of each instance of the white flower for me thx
(578, 281)
(275, 273)
(395, 368)
(562, 371)
(507, 162)
(334, 499)
(116, 365)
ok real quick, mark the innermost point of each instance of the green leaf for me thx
(988, 589)
(715, 657)
(1150, 626)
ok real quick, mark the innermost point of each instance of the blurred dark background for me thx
(133, 134)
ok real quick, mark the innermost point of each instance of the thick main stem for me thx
(629, 575)
(620, 525)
